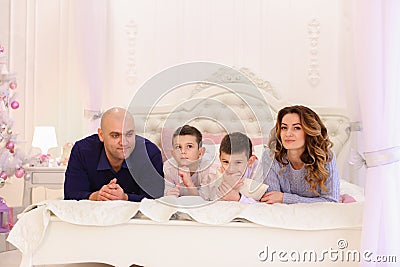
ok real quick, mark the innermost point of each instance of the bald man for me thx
(115, 163)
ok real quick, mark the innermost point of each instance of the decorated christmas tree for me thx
(12, 159)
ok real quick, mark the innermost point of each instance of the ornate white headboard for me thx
(215, 110)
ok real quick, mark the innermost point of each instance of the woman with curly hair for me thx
(303, 167)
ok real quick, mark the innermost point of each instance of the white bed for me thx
(203, 241)
(61, 232)
(184, 243)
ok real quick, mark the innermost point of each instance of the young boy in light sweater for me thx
(237, 163)
(187, 171)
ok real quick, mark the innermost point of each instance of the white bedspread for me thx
(302, 216)
(30, 228)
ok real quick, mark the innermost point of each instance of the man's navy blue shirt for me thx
(88, 170)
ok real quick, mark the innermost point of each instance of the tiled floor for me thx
(13, 258)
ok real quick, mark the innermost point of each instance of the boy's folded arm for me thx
(174, 191)
(229, 188)
(209, 185)
(184, 175)
(169, 177)
(193, 191)
(232, 195)
(168, 186)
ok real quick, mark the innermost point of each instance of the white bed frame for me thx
(189, 243)
(186, 243)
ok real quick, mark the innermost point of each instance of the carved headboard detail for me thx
(215, 110)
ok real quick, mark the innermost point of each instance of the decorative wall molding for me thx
(92, 114)
(131, 32)
(313, 35)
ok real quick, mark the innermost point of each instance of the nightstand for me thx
(45, 177)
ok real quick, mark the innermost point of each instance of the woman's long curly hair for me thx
(317, 152)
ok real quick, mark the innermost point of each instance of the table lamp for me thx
(44, 137)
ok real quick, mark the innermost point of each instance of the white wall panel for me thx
(197, 41)
(15, 45)
(46, 57)
(93, 54)
(276, 45)
(5, 13)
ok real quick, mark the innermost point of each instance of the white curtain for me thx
(377, 62)
(91, 35)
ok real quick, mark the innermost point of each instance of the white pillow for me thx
(353, 190)
(253, 189)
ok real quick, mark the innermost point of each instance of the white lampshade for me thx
(44, 137)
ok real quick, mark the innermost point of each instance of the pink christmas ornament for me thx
(20, 172)
(1, 49)
(14, 105)
(10, 145)
(3, 175)
(13, 85)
